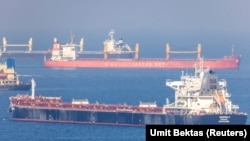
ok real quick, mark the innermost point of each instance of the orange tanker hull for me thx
(223, 63)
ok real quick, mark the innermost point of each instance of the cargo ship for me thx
(16, 54)
(116, 54)
(200, 99)
(14, 50)
(9, 80)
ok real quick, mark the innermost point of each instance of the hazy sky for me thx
(152, 17)
(126, 14)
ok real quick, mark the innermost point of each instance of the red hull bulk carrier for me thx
(116, 54)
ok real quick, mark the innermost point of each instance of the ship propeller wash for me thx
(199, 99)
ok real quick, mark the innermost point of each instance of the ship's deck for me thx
(56, 103)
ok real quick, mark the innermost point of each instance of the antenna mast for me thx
(233, 50)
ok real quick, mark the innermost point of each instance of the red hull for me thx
(223, 63)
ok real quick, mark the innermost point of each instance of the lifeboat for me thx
(221, 98)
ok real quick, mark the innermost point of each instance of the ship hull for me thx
(38, 54)
(120, 117)
(41, 54)
(22, 87)
(224, 63)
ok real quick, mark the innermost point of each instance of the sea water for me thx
(114, 86)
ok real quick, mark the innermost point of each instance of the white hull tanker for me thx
(199, 99)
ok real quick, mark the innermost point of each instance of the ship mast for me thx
(72, 38)
(233, 50)
(111, 34)
(201, 64)
(33, 84)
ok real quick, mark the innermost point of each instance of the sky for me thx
(135, 20)
(127, 15)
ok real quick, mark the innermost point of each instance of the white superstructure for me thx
(201, 93)
(113, 46)
(67, 51)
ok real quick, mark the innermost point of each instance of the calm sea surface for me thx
(105, 86)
